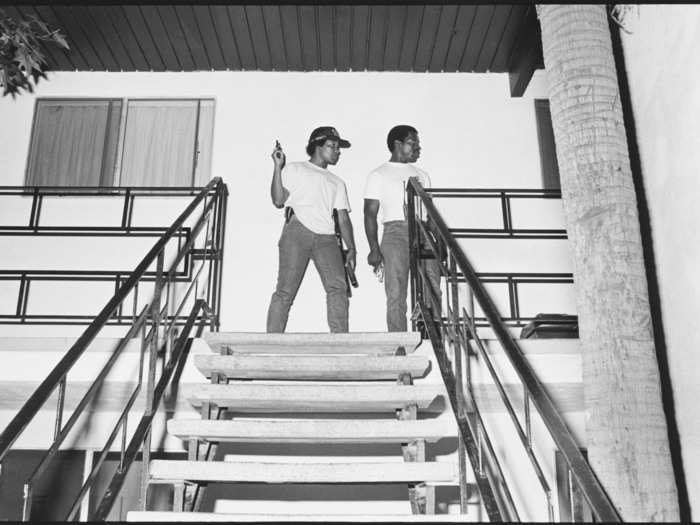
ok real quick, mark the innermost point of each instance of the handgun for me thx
(278, 149)
(350, 278)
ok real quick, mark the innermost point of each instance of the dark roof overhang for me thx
(288, 37)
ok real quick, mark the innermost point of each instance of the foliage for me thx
(620, 14)
(21, 61)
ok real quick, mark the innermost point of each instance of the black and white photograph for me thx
(340, 262)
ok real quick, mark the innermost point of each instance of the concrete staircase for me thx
(297, 402)
(301, 389)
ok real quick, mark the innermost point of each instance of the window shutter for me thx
(73, 143)
(159, 143)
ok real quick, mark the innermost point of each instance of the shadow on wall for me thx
(652, 279)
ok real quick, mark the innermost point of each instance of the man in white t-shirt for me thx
(311, 192)
(385, 191)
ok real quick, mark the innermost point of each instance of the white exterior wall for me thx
(662, 68)
(472, 132)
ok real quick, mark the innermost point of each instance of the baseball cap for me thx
(328, 133)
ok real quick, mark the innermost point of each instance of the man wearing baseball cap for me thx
(311, 192)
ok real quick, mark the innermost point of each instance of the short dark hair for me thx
(399, 133)
(311, 147)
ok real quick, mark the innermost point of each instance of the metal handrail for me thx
(581, 471)
(213, 216)
(143, 428)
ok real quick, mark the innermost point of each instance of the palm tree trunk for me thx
(626, 426)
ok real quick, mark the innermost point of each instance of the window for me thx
(114, 142)
(548, 149)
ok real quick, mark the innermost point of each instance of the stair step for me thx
(162, 470)
(255, 397)
(366, 343)
(328, 368)
(312, 430)
(162, 516)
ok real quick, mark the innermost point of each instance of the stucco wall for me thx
(472, 133)
(662, 68)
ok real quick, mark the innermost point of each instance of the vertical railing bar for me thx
(528, 427)
(213, 263)
(516, 302)
(480, 447)
(38, 212)
(223, 194)
(130, 216)
(511, 296)
(142, 352)
(169, 326)
(27, 494)
(461, 452)
(571, 493)
(122, 449)
(154, 346)
(509, 215)
(136, 298)
(59, 408)
(32, 213)
(87, 470)
(125, 211)
(179, 239)
(206, 249)
(416, 292)
(504, 212)
(20, 294)
(25, 300)
(120, 309)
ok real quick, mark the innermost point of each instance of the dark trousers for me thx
(394, 247)
(297, 246)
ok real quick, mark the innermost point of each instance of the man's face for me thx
(410, 148)
(330, 152)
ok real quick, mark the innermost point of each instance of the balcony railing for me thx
(164, 327)
(38, 227)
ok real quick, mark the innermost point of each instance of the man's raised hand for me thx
(278, 156)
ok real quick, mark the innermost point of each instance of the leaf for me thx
(24, 60)
(60, 40)
(22, 63)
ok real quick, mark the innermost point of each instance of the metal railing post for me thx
(151, 378)
(457, 344)
(27, 503)
(413, 249)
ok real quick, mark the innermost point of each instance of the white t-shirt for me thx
(313, 193)
(386, 184)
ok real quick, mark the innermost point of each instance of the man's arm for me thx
(278, 192)
(348, 236)
(375, 257)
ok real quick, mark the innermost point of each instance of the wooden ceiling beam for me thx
(292, 37)
(526, 56)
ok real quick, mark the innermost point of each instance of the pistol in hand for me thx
(278, 150)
